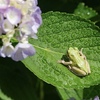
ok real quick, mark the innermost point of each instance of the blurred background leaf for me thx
(67, 5)
(91, 92)
(3, 96)
(16, 81)
(84, 11)
(71, 94)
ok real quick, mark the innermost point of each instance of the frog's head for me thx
(73, 52)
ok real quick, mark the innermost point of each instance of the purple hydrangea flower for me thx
(22, 50)
(37, 16)
(26, 27)
(7, 50)
(4, 4)
(13, 15)
(20, 1)
(96, 98)
(0, 30)
(1, 18)
(19, 21)
(7, 26)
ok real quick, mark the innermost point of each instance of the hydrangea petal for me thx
(37, 17)
(34, 3)
(22, 50)
(23, 38)
(37, 10)
(27, 18)
(26, 28)
(4, 4)
(0, 31)
(6, 50)
(20, 1)
(7, 26)
(96, 98)
(34, 28)
(33, 35)
(13, 15)
(1, 18)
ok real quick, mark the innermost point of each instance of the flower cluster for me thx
(96, 98)
(19, 21)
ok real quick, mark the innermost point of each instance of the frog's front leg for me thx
(64, 62)
(77, 71)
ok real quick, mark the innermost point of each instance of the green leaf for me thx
(3, 96)
(58, 32)
(68, 94)
(85, 11)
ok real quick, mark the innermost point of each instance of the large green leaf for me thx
(58, 32)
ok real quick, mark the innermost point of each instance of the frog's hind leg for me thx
(77, 71)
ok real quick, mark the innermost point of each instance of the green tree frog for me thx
(78, 63)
